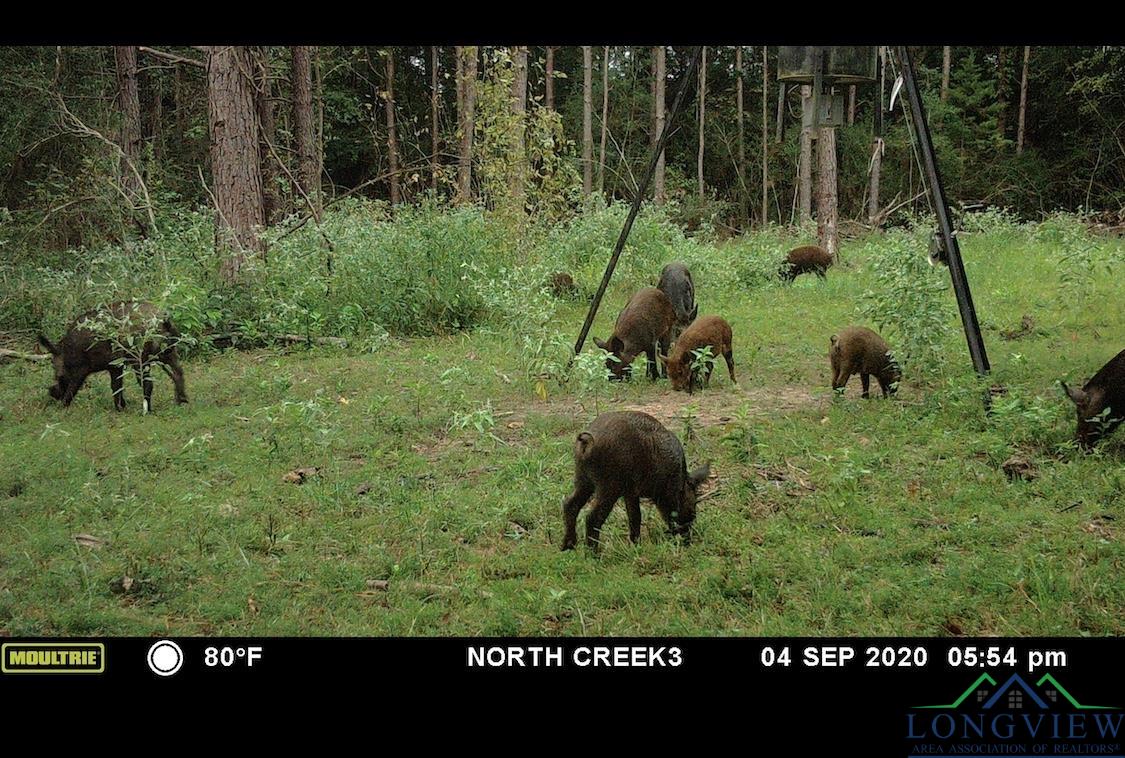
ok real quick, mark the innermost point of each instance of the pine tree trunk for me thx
(765, 136)
(435, 141)
(519, 110)
(743, 206)
(267, 141)
(605, 118)
(235, 169)
(946, 60)
(587, 127)
(1023, 101)
(851, 105)
(392, 135)
(658, 105)
(804, 166)
(132, 139)
(304, 128)
(1002, 92)
(826, 211)
(549, 82)
(873, 188)
(702, 115)
(467, 79)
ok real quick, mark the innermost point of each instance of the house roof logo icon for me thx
(1046, 694)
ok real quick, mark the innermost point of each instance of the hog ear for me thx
(1078, 396)
(602, 345)
(694, 312)
(834, 339)
(699, 476)
(52, 349)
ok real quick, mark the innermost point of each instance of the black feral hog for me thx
(1100, 404)
(858, 350)
(706, 331)
(562, 285)
(630, 454)
(646, 322)
(677, 284)
(104, 339)
(809, 259)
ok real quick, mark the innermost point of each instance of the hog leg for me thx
(729, 356)
(633, 509)
(866, 379)
(144, 378)
(171, 367)
(571, 506)
(652, 370)
(603, 504)
(117, 386)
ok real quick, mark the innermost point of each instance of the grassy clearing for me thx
(436, 507)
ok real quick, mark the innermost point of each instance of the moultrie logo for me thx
(1015, 718)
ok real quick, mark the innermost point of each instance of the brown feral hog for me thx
(809, 259)
(99, 340)
(706, 331)
(1100, 404)
(562, 285)
(677, 284)
(858, 350)
(646, 322)
(630, 454)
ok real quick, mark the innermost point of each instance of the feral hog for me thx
(706, 331)
(677, 284)
(562, 285)
(104, 339)
(1100, 404)
(630, 454)
(809, 259)
(646, 322)
(858, 350)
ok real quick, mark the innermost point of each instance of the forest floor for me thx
(417, 491)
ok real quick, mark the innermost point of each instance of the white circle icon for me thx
(165, 658)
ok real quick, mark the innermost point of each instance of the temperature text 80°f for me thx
(228, 656)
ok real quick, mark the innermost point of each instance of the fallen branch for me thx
(172, 57)
(4, 353)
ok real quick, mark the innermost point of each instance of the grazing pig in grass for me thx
(562, 285)
(706, 331)
(677, 284)
(1100, 404)
(858, 350)
(630, 454)
(646, 322)
(809, 259)
(105, 339)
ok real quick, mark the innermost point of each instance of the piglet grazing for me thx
(1100, 404)
(104, 339)
(858, 350)
(630, 454)
(708, 331)
(646, 321)
(809, 259)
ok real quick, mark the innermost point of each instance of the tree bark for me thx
(851, 105)
(826, 211)
(392, 135)
(304, 129)
(765, 136)
(605, 118)
(873, 188)
(804, 165)
(702, 116)
(549, 81)
(743, 207)
(267, 124)
(946, 60)
(467, 81)
(1023, 101)
(132, 139)
(587, 128)
(519, 110)
(435, 141)
(235, 169)
(1002, 91)
(658, 114)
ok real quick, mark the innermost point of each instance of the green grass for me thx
(825, 516)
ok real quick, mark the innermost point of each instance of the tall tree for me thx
(1002, 91)
(304, 127)
(877, 145)
(435, 141)
(549, 79)
(132, 140)
(702, 115)
(946, 59)
(1023, 101)
(851, 105)
(826, 205)
(605, 118)
(765, 136)
(519, 110)
(235, 169)
(466, 106)
(587, 118)
(658, 113)
(392, 132)
(267, 127)
(804, 166)
(738, 107)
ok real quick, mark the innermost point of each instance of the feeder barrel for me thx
(843, 65)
